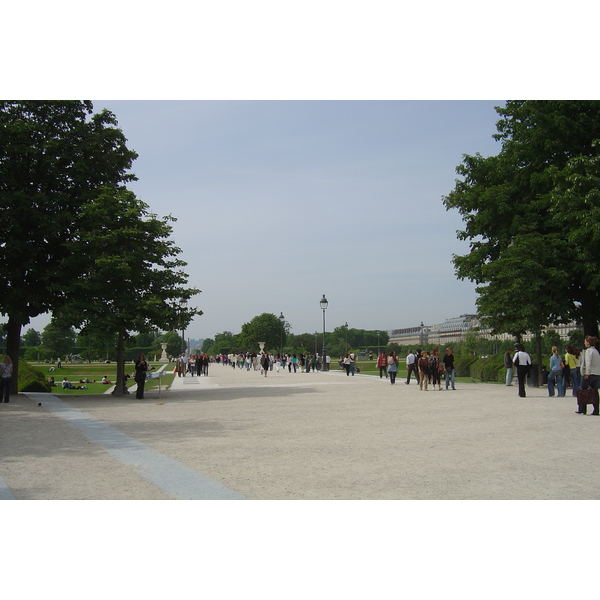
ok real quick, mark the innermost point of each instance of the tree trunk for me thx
(120, 382)
(13, 344)
(589, 321)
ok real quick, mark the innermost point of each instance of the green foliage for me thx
(531, 215)
(225, 343)
(54, 157)
(264, 328)
(550, 338)
(577, 338)
(31, 379)
(31, 338)
(462, 364)
(58, 340)
(133, 279)
(174, 343)
(207, 344)
(490, 368)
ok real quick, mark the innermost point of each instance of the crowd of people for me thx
(428, 368)
(265, 362)
(576, 369)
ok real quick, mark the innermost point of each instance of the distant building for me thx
(455, 329)
(195, 345)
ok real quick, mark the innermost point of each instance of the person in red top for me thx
(382, 363)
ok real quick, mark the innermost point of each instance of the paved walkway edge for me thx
(175, 479)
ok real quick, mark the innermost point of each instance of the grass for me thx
(75, 372)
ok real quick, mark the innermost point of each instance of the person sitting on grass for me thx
(51, 382)
(67, 385)
(106, 380)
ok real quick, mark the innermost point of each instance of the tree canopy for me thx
(128, 275)
(54, 157)
(531, 217)
(263, 328)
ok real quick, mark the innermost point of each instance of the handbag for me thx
(588, 396)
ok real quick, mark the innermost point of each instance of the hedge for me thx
(31, 379)
(462, 365)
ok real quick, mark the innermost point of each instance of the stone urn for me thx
(163, 356)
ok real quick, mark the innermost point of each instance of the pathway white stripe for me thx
(175, 479)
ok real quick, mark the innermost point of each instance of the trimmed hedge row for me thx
(31, 379)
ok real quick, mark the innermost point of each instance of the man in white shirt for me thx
(411, 367)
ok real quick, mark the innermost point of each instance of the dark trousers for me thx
(5, 389)
(412, 369)
(593, 381)
(522, 372)
(140, 387)
(382, 371)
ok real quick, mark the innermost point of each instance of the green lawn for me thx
(95, 371)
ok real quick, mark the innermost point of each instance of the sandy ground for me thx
(310, 436)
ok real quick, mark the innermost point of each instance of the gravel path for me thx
(299, 436)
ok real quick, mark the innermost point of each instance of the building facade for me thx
(455, 330)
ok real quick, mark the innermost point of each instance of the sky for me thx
(281, 202)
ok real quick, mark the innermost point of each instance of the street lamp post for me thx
(378, 351)
(324, 303)
(183, 305)
(281, 318)
(346, 337)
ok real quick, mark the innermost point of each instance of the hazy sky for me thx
(280, 202)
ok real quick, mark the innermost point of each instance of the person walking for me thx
(590, 371)
(392, 366)
(555, 376)
(411, 367)
(264, 363)
(382, 363)
(522, 361)
(423, 365)
(448, 361)
(508, 365)
(435, 369)
(6, 369)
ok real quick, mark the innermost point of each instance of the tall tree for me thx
(54, 157)
(529, 254)
(263, 328)
(129, 277)
(32, 337)
(225, 343)
(58, 339)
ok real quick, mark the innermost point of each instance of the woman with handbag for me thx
(590, 370)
